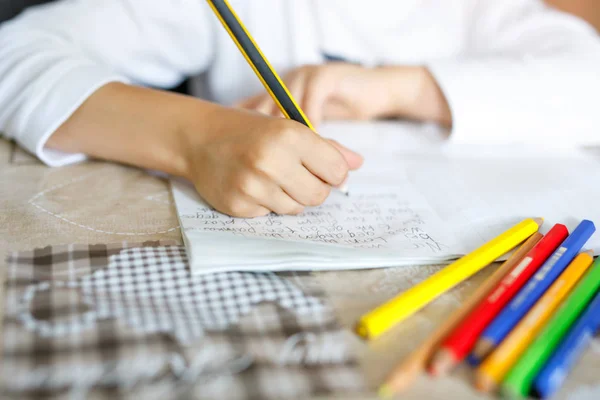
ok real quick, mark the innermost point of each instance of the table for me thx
(97, 202)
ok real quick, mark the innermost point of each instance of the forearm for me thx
(137, 126)
(411, 92)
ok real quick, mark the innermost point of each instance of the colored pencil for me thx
(569, 350)
(461, 341)
(261, 66)
(399, 308)
(506, 320)
(496, 365)
(518, 381)
(406, 372)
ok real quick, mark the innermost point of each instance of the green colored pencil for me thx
(518, 382)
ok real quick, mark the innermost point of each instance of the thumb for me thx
(354, 160)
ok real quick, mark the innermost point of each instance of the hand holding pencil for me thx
(264, 71)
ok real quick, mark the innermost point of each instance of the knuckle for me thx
(244, 183)
(319, 195)
(339, 170)
(320, 77)
(259, 158)
(237, 207)
(287, 134)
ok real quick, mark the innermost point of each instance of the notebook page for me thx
(478, 190)
(373, 218)
(487, 192)
(463, 195)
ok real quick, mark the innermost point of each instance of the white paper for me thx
(374, 226)
(418, 199)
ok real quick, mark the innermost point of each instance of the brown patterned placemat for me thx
(129, 320)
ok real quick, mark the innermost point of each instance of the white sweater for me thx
(511, 70)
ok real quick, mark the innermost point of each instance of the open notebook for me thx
(417, 200)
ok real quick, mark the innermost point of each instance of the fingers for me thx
(262, 103)
(259, 189)
(323, 160)
(296, 83)
(239, 205)
(316, 93)
(354, 160)
(249, 103)
(270, 195)
(305, 188)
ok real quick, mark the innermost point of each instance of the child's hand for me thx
(340, 91)
(336, 91)
(242, 163)
(251, 165)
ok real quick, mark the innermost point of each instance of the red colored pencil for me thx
(460, 342)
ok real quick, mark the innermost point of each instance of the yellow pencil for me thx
(394, 311)
(407, 371)
(258, 62)
(262, 67)
(496, 365)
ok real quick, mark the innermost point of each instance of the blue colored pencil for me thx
(506, 320)
(568, 351)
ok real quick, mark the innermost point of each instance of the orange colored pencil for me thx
(407, 371)
(461, 341)
(497, 365)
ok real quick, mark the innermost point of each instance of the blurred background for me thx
(586, 9)
(589, 10)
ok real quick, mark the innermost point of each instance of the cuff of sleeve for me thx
(57, 104)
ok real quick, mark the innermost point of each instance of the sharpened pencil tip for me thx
(510, 393)
(443, 361)
(343, 188)
(361, 330)
(485, 383)
(482, 349)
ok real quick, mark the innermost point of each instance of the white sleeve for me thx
(528, 74)
(53, 57)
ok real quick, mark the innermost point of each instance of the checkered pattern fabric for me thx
(130, 320)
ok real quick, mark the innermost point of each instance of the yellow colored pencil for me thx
(496, 365)
(407, 371)
(402, 306)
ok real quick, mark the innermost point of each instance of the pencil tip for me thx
(343, 188)
(385, 391)
(482, 348)
(539, 221)
(485, 383)
(508, 392)
(361, 330)
(443, 361)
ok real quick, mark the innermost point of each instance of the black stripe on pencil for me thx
(259, 62)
